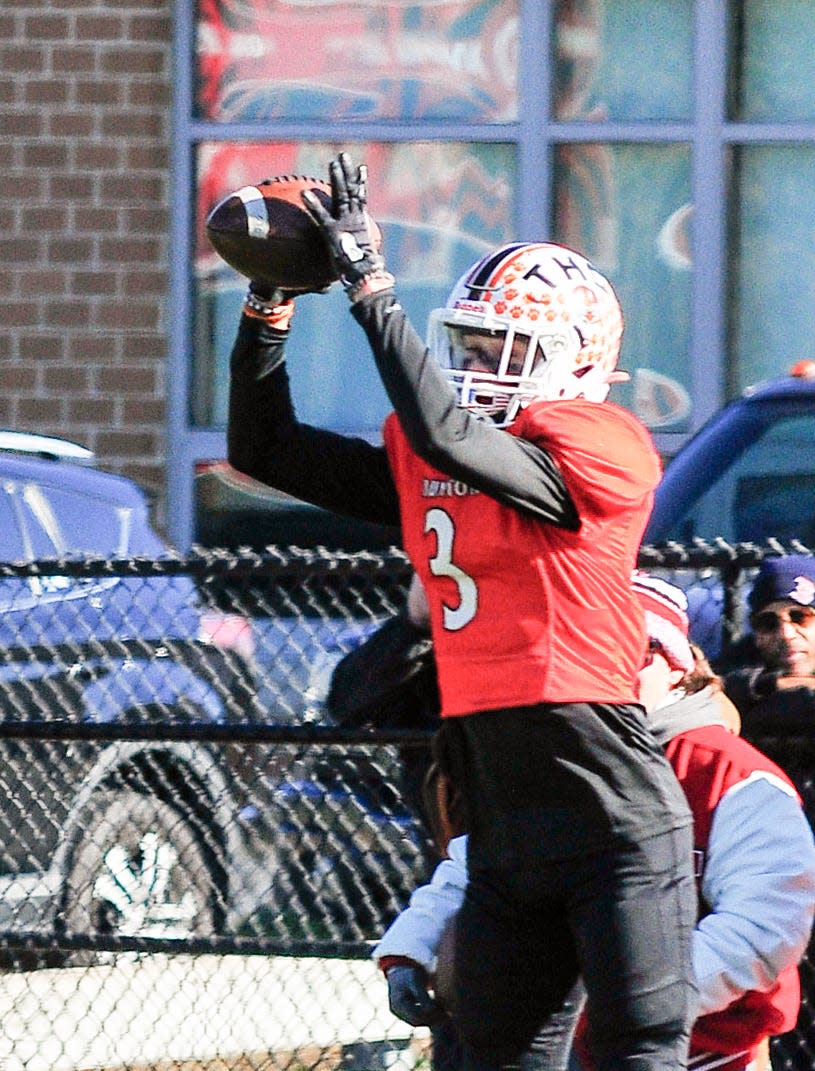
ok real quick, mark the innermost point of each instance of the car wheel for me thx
(139, 867)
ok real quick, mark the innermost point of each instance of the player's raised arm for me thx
(451, 436)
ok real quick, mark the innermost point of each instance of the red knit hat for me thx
(666, 618)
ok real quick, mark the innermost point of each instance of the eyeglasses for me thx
(772, 620)
(654, 648)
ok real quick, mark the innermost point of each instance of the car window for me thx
(59, 522)
(765, 489)
(11, 543)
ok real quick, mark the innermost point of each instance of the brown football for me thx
(265, 233)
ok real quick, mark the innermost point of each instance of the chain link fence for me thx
(194, 862)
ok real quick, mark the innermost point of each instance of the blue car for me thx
(131, 838)
(747, 476)
(155, 839)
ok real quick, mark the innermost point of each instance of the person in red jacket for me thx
(754, 860)
(522, 496)
(755, 865)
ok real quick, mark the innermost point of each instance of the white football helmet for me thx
(530, 321)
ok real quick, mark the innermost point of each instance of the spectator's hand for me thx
(409, 997)
(347, 230)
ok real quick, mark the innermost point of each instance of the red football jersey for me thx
(522, 611)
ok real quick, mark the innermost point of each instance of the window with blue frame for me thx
(440, 206)
(336, 61)
(671, 141)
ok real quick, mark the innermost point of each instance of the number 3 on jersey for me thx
(454, 618)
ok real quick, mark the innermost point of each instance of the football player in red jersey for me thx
(522, 496)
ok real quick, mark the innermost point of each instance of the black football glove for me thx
(274, 295)
(347, 231)
(409, 998)
(268, 294)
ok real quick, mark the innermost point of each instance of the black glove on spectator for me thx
(409, 997)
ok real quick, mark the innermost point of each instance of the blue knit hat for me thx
(791, 577)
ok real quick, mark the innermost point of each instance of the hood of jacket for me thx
(680, 712)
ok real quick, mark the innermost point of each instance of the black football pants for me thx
(579, 861)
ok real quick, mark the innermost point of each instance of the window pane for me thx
(775, 72)
(440, 207)
(773, 261)
(333, 60)
(627, 208)
(623, 60)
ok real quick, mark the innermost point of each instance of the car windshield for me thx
(747, 479)
(52, 510)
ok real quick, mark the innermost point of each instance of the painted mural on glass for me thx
(340, 60)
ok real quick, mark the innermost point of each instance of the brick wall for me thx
(84, 142)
